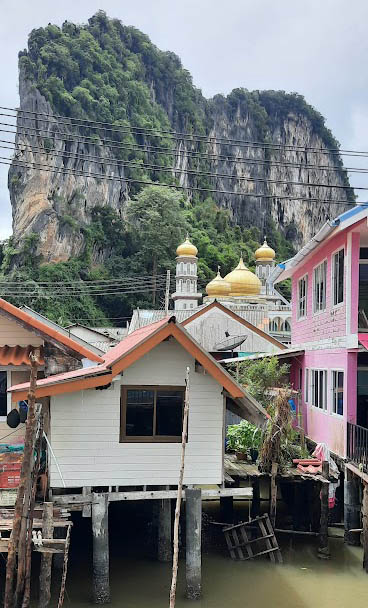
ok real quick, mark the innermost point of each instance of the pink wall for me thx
(330, 323)
(323, 425)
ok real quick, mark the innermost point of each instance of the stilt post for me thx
(227, 509)
(46, 558)
(273, 493)
(193, 510)
(100, 532)
(351, 508)
(256, 499)
(323, 549)
(164, 545)
(365, 527)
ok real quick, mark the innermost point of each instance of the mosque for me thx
(251, 295)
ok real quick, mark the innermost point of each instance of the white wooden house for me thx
(119, 423)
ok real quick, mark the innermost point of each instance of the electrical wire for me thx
(31, 165)
(195, 172)
(159, 132)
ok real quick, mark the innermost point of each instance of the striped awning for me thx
(17, 355)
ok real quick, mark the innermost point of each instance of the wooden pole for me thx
(46, 558)
(351, 508)
(323, 549)
(65, 568)
(164, 544)
(100, 531)
(24, 484)
(179, 494)
(273, 500)
(365, 527)
(256, 499)
(28, 554)
(193, 509)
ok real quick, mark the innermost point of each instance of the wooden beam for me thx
(80, 499)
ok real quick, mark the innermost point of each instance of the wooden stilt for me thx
(256, 499)
(100, 532)
(365, 527)
(193, 509)
(323, 549)
(164, 545)
(46, 558)
(227, 509)
(351, 508)
(273, 493)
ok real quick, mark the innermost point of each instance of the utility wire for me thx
(195, 172)
(160, 132)
(160, 150)
(65, 171)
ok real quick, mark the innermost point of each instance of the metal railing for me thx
(357, 445)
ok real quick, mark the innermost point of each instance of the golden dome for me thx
(187, 249)
(243, 282)
(218, 287)
(265, 253)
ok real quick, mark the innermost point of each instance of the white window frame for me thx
(315, 370)
(306, 385)
(332, 390)
(299, 316)
(333, 303)
(318, 312)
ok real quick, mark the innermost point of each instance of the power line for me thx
(65, 171)
(159, 150)
(195, 172)
(157, 132)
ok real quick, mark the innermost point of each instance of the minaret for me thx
(186, 294)
(265, 263)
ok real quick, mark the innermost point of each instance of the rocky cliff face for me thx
(55, 204)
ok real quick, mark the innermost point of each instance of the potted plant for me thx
(244, 439)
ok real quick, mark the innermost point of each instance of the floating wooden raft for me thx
(253, 538)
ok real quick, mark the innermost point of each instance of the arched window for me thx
(285, 326)
(181, 285)
(273, 325)
(181, 267)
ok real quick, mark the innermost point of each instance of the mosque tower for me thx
(186, 294)
(265, 263)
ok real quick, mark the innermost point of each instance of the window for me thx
(302, 297)
(338, 392)
(319, 388)
(319, 287)
(151, 413)
(3, 394)
(338, 277)
(306, 389)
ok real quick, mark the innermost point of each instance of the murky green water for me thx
(139, 581)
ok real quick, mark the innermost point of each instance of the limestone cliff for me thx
(56, 205)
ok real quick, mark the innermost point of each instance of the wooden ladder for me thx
(253, 538)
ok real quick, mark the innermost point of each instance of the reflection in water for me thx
(139, 581)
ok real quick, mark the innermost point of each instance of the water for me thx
(139, 581)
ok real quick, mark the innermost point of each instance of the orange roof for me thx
(18, 355)
(129, 350)
(25, 318)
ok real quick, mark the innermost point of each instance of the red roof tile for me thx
(18, 355)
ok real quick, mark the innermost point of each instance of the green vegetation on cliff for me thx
(105, 71)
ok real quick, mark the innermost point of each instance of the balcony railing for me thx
(357, 446)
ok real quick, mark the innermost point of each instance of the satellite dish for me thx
(230, 343)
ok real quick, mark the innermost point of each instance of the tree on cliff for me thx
(157, 225)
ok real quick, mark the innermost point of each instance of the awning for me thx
(284, 354)
(17, 355)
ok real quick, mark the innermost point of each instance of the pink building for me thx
(329, 339)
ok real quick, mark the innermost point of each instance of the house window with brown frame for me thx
(151, 413)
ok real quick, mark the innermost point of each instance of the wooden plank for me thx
(273, 540)
(268, 551)
(269, 546)
(81, 499)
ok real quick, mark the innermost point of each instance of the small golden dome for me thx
(187, 249)
(265, 253)
(243, 282)
(218, 287)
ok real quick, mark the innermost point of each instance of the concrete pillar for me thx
(193, 511)
(100, 533)
(164, 545)
(351, 509)
(227, 509)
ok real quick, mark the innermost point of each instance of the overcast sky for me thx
(317, 48)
